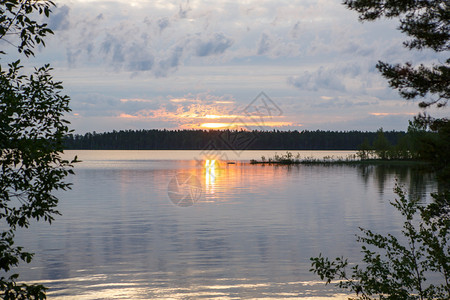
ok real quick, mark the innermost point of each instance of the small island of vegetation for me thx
(416, 147)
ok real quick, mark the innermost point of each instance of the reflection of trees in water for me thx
(415, 179)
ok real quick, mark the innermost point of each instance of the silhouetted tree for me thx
(156, 139)
(381, 145)
(428, 25)
(398, 268)
(32, 131)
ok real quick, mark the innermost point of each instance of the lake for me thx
(188, 224)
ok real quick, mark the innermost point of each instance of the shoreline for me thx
(343, 162)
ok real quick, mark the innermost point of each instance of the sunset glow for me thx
(243, 125)
(392, 114)
(127, 116)
(221, 116)
(196, 114)
(215, 125)
(224, 149)
(210, 175)
(180, 64)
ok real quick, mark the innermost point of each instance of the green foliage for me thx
(402, 267)
(365, 150)
(428, 25)
(201, 139)
(18, 29)
(398, 267)
(289, 159)
(381, 145)
(32, 131)
(381, 148)
(431, 138)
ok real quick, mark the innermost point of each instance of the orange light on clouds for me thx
(187, 113)
(215, 125)
(127, 116)
(222, 116)
(392, 114)
(136, 100)
(234, 125)
(181, 100)
(224, 102)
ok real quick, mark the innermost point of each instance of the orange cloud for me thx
(215, 125)
(199, 116)
(181, 100)
(127, 116)
(237, 125)
(222, 116)
(191, 111)
(135, 100)
(391, 114)
(224, 102)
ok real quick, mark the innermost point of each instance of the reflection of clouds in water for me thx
(184, 189)
(253, 237)
(223, 288)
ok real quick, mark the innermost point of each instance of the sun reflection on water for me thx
(210, 175)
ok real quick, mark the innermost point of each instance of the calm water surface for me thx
(250, 233)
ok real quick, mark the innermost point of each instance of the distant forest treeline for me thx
(225, 140)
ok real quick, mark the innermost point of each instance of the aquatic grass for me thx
(290, 159)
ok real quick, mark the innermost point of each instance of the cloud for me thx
(163, 23)
(112, 46)
(59, 19)
(383, 114)
(181, 100)
(199, 111)
(297, 51)
(145, 64)
(97, 104)
(183, 10)
(264, 44)
(94, 104)
(339, 103)
(127, 116)
(213, 46)
(150, 38)
(344, 78)
(137, 100)
(321, 79)
(366, 122)
(296, 30)
(170, 63)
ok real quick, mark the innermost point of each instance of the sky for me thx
(287, 65)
